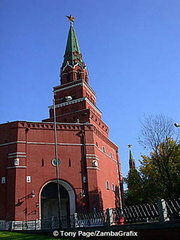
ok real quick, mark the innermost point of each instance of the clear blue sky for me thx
(131, 49)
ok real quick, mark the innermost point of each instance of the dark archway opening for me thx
(49, 203)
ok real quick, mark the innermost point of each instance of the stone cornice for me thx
(76, 101)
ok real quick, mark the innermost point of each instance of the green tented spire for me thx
(72, 42)
(72, 53)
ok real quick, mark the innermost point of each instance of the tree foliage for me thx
(134, 185)
(161, 170)
(159, 173)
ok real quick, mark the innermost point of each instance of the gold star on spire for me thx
(70, 18)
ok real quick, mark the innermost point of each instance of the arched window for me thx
(107, 185)
(103, 149)
(78, 75)
(113, 187)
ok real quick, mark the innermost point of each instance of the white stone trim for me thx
(9, 143)
(68, 87)
(76, 101)
(61, 144)
(16, 167)
(75, 85)
(72, 66)
(95, 158)
(52, 143)
(92, 156)
(93, 168)
(16, 153)
(17, 156)
(68, 103)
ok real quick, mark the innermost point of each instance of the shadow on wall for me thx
(95, 202)
(117, 197)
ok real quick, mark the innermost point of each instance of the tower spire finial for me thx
(71, 19)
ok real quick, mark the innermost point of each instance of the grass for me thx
(24, 236)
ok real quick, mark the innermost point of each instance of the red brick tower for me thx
(75, 101)
(89, 172)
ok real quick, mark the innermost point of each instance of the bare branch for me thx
(155, 130)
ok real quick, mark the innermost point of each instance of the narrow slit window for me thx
(113, 187)
(103, 149)
(69, 162)
(42, 162)
(107, 185)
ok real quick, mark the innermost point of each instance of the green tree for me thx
(134, 188)
(161, 171)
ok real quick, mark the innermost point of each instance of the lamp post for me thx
(56, 163)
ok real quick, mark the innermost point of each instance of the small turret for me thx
(131, 159)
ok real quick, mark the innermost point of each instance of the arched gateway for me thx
(49, 200)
